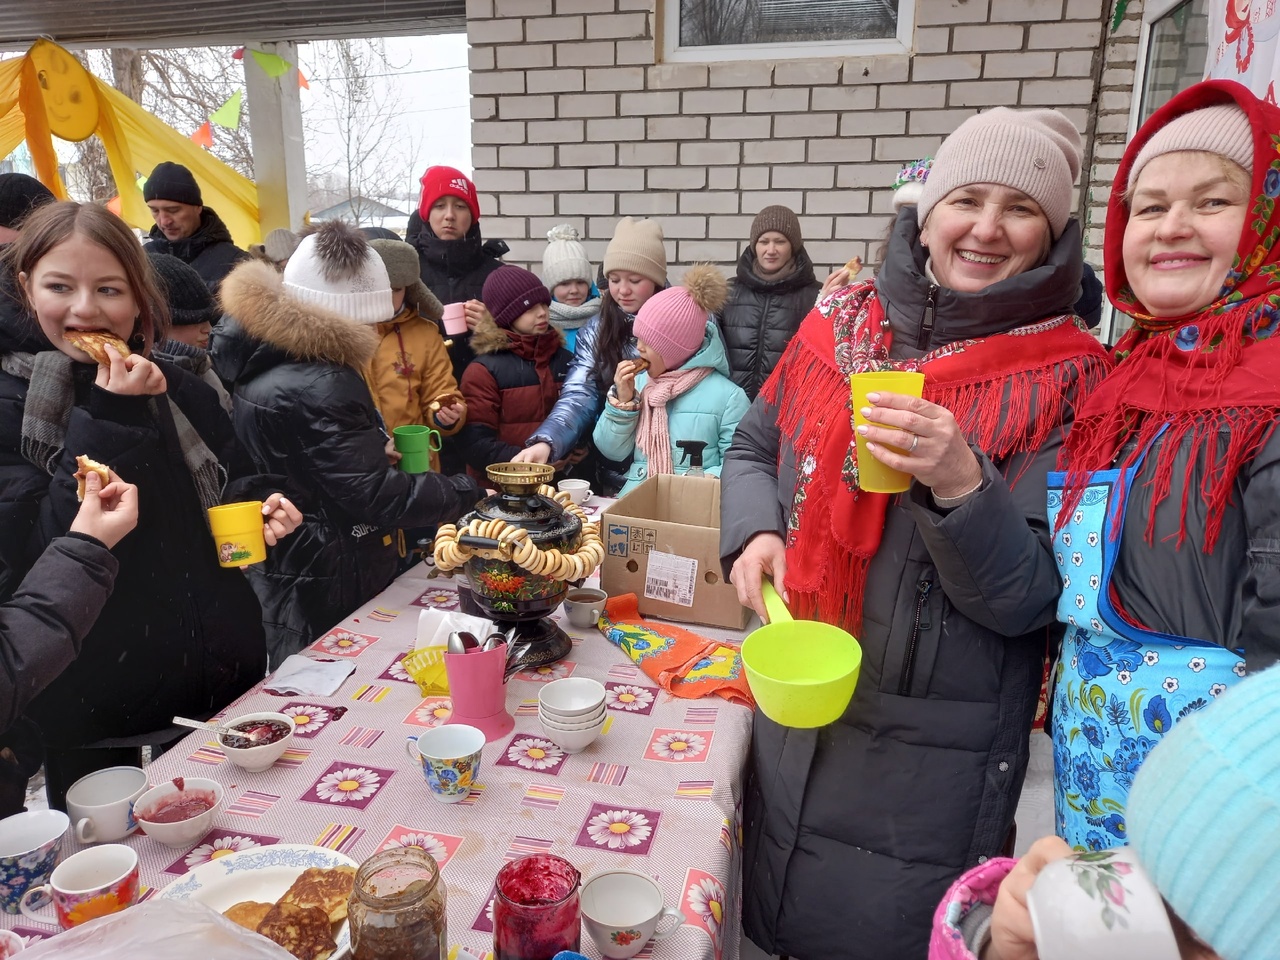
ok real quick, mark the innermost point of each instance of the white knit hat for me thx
(335, 268)
(1222, 129)
(1035, 151)
(565, 257)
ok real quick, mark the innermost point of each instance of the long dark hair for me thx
(54, 223)
(613, 337)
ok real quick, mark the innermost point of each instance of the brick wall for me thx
(574, 119)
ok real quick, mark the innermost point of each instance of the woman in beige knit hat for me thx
(853, 831)
(635, 265)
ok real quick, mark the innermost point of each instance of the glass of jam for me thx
(397, 907)
(536, 912)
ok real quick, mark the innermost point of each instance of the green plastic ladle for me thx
(774, 605)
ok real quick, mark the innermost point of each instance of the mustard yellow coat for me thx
(410, 368)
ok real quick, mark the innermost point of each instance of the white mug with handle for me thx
(621, 909)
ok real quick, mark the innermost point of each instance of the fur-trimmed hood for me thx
(253, 296)
(488, 337)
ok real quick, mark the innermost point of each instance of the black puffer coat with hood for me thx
(303, 409)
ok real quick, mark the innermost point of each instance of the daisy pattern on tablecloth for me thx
(221, 847)
(307, 717)
(348, 783)
(434, 714)
(706, 899)
(425, 842)
(440, 599)
(345, 643)
(547, 672)
(626, 697)
(679, 745)
(397, 671)
(619, 829)
(534, 753)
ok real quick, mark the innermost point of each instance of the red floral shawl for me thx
(1005, 392)
(1201, 377)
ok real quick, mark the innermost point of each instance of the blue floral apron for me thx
(1118, 689)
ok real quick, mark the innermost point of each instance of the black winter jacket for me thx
(303, 409)
(854, 830)
(180, 635)
(210, 250)
(455, 271)
(761, 316)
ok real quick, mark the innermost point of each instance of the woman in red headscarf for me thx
(1167, 518)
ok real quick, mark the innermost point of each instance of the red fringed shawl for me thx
(1210, 380)
(1007, 393)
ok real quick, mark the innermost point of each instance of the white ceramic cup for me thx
(101, 803)
(1100, 905)
(88, 885)
(584, 606)
(579, 491)
(621, 909)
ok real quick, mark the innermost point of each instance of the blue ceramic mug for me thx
(30, 846)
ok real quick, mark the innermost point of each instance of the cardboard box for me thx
(662, 543)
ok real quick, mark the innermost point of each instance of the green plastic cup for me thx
(801, 672)
(415, 443)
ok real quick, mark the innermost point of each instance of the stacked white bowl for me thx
(572, 712)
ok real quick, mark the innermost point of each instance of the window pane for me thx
(718, 22)
(1176, 54)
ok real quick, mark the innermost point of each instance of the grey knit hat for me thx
(565, 257)
(1035, 151)
(401, 261)
(781, 219)
(1222, 129)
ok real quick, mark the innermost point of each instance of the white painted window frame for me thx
(673, 52)
(1152, 11)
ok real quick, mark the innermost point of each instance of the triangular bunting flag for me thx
(238, 54)
(141, 182)
(228, 115)
(302, 82)
(114, 205)
(272, 64)
(204, 136)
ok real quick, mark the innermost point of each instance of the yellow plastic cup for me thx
(237, 531)
(874, 476)
(801, 672)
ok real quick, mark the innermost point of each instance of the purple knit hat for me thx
(674, 321)
(510, 291)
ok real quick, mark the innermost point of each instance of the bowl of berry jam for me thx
(258, 740)
(179, 811)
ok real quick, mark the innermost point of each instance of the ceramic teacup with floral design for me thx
(30, 845)
(621, 909)
(1100, 905)
(87, 885)
(450, 759)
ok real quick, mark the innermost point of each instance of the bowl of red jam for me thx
(257, 740)
(179, 811)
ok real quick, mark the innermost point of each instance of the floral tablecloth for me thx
(660, 791)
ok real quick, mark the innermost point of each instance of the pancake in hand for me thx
(304, 931)
(84, 467)
(444, 400)
(94, 342)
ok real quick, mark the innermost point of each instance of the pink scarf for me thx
(652, 435)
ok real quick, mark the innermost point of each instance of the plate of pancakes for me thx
(292, 894)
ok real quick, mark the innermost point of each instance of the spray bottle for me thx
(693, 456)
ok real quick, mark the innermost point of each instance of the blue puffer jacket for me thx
(709, 412)
(581, 397)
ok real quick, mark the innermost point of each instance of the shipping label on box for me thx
(671, 578)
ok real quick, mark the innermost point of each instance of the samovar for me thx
(522, 548)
